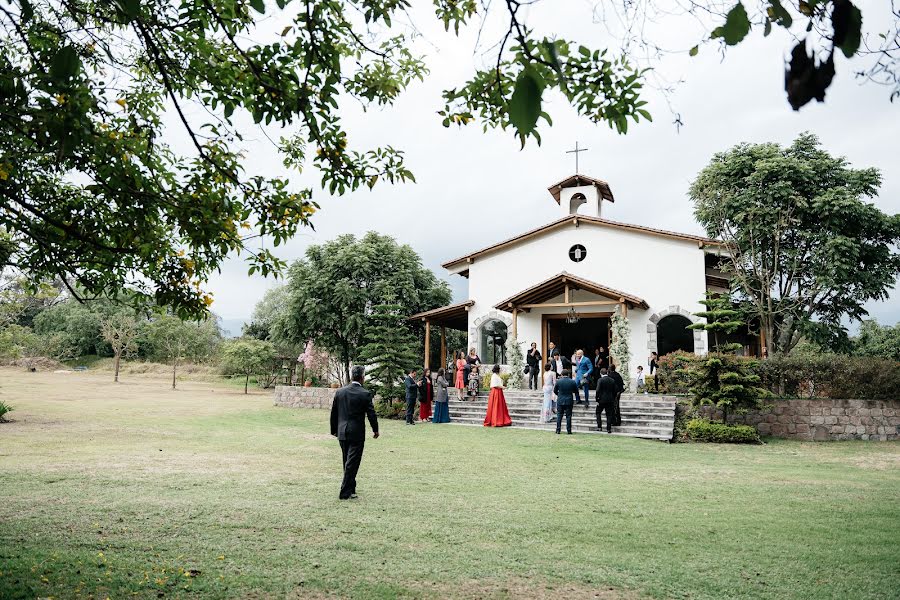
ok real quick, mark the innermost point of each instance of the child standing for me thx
(639, 378)
(474, 381)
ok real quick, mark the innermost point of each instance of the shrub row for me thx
(834, 376)
(702, 430)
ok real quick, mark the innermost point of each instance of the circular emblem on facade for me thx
(577, 253)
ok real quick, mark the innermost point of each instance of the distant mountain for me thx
(232, 327)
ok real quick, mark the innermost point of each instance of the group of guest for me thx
(610, 386)
(468, 373)
(430, 389)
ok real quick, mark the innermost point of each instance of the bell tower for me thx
(580, 194)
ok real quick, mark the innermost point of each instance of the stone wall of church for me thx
(822, 419)
(292, 396)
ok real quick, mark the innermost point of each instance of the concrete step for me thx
(638, 432)
(535, 409)
(582, 417)
(643, 416)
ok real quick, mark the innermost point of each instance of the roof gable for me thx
(556, 285)
(578, 220)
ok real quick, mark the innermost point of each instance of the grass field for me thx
(135, 490)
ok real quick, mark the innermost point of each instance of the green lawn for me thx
(133, 490)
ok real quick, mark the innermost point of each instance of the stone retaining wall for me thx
(823, 419)
(291, 396)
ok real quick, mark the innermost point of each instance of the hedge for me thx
(835, 376)
(702, 430)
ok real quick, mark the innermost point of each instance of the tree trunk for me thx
(725, 415)
(174, 364)
(118, 355)
(246, 382)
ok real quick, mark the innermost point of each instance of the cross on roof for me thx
(576, 151)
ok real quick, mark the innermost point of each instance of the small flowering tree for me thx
(314, 362)
(618, 349)
(515, 362)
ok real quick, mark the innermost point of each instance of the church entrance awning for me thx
(454, 316)
(564, 284)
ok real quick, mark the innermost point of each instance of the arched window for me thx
(577, 201)
(672, 334)
(493, 342)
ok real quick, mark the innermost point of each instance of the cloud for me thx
(476, 188)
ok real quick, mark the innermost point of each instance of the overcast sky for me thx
(475, 188)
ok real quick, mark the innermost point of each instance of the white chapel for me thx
(582, 267)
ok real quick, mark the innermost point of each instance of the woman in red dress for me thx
(497, 413)
(426, 395)
(458, 381)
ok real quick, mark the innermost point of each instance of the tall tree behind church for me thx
(805, 249)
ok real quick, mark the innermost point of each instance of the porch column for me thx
(443, 347)
(515, 323)
(427, 342)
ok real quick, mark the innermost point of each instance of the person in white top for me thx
(497, 412)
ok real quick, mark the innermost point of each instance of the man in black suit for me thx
(352, 404)
(566, 391)
(412, 393)
(620, 383)
(607, 389)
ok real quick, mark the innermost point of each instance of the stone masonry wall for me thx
(290, 396)
(823, 419)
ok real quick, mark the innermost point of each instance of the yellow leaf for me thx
(121, 102)
(222, 557)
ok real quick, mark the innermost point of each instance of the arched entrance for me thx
(672, 334)
(493, 335)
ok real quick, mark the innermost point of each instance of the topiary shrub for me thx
(387, 409)
(702, 430)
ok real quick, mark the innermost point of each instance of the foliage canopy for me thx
(96, 189)
(803, 247)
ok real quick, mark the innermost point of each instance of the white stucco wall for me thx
(667, 273)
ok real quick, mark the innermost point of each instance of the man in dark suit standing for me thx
(412, 393)
(352, 404)
(620, 383)
(566, 391)
(607, 389)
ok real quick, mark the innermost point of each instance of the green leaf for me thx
(779, 14)
(27, 10)
(525, 104)
(694, 51)
(129, 9)
(768, 28)
(259, 6)
(737, 26)
(847, 22)
(64, 65)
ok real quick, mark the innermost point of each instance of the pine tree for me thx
(726, 382)
(618, 349)
(389, 352)
(721, 319)
(516, 363)
(720, 378)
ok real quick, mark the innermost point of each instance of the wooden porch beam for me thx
(427, 343)
(443, 347)
(569, 304)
